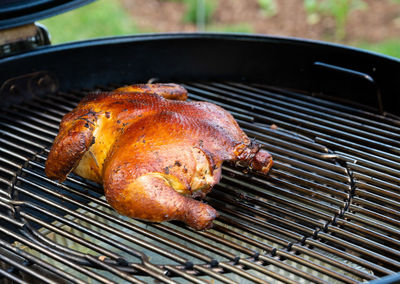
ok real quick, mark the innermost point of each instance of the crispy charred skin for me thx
(73, 140)
(153, 155)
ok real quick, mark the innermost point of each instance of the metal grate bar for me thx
(353, 160)
(22, 268)
(292, 235)
(353, 247)
(361, 151)
(377, 225)
(301, 184)
(35, 260)
(293, 141)
(321, 198)
(326, 168)
(343, 266)
(58, 114)
(241, 272)
(63, 186)
(377, 199)
(376, 191)
(371, 234)
(373, 174)
(311, 176)
(187, 276)
(79, 240)
(11, 277)
(376, 181)
(11, 138)
(8, 152)
(211, 273)
(42, 116)
(65, 103)
(379, 269)
(255, 231)
(266, 213)
(273, 261)
(323, 270)
(54, 105)
(390, 213)
(4, 170)
(315, 110)
(266, 134)
(371, 213)
(218, 250)
(29, 125)
(30, 134)
(301, 193)
(309, 167)
(116, 271)
(375, 209)
(371, 245)
(30, 116)
(294, 206)
(383, 154)
(347, 111)
(152, 273)
(45, 251)
(70, 97)
(242, 237)
(330, 174)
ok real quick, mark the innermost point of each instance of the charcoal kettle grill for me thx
(328, 212)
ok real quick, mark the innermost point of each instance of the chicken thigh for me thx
(152, 151)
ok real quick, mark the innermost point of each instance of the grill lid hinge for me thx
(22, 39)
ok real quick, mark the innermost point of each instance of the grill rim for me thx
(295, 58)
(190, 35)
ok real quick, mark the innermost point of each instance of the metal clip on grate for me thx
(328, 212)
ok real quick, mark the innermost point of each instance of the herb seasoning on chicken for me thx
(152, 151)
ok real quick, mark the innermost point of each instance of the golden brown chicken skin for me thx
(153, 151)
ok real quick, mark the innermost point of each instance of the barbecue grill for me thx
(327, 213)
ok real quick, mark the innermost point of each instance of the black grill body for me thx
(328, 212)
(308, 66)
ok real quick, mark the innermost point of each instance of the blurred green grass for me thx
(109, 18)
(235, 28)
(389, 47)
(98, 19)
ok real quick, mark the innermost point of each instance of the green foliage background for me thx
(108, 18)
(98, 19)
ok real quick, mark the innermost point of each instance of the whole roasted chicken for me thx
(153, 152)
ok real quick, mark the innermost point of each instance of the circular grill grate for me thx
(328, 211)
